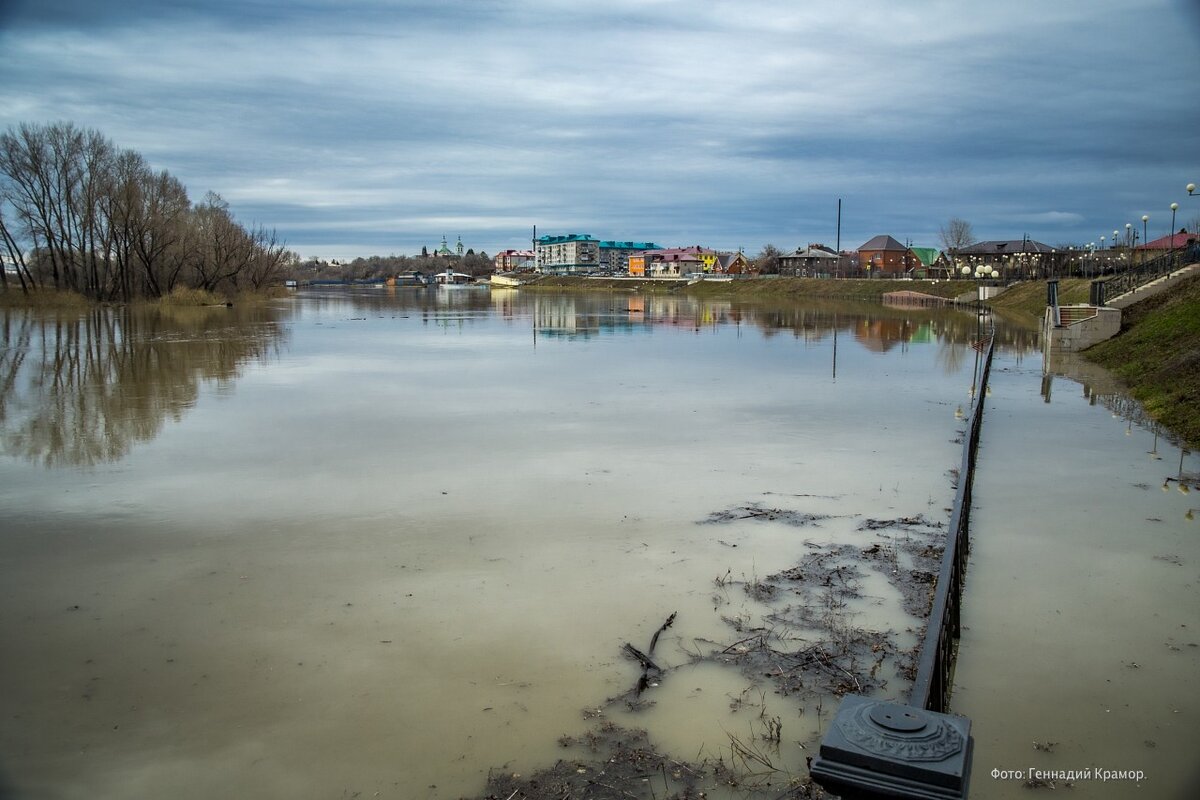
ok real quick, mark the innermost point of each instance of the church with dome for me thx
(445, 252)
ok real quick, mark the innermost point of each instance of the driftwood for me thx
(649, 668)
(670, 621)
(647, 664)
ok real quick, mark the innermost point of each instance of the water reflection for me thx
(82, 389)
(876, 327)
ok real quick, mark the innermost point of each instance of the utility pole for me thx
(838, 245)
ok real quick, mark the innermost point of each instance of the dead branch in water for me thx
(670, 621)
(649, 668)
(647, 663)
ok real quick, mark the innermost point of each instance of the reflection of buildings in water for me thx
(875, 328)
(586, 315)
(82, 389)
(881, 335)
(504, 300)
(686, 312)
(559, 316)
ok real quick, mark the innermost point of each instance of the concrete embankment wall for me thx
(1094, 325)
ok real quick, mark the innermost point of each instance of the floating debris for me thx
(756, 511)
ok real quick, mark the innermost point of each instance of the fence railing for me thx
(931, 689)
(1148, 271)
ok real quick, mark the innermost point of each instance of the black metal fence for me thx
(1149, 270)
(931, 690)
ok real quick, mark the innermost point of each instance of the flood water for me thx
(379, 542)
(1081, 641)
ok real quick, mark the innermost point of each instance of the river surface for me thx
(379, 542)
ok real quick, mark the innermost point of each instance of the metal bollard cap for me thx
(876, 748)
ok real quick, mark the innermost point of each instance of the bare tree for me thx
(767, 260)
(222, 246)
(54, 180)
(15, 255)
(267, 260)
(955, 235)
(160, 228)
(77, 213)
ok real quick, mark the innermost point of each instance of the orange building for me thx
(885, 255)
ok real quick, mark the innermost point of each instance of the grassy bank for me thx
(42, 298)
(1026, 301)
(180, 298)
(1157, 353)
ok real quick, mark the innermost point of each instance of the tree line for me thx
(380, 267)
(79, 213)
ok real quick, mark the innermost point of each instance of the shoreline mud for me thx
(807, 650)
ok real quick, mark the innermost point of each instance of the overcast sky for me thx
(359, 127)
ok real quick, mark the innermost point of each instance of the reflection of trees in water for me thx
(952, 356)
(387, 300)
(82, 389)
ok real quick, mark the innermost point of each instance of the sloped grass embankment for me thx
(1157, 353)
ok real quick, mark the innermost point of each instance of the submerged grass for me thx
(191, 297)
(13, 297)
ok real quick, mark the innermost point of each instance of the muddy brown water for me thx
(386, 542)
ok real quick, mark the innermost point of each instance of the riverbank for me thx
(42, 298)
(67, 299)
(1157, 354)
(1026, 301)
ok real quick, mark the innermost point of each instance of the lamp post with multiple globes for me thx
(1131, 236)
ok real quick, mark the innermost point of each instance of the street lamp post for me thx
(1145, 237)
(1191, 190)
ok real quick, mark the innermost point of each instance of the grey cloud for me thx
(363, 124)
